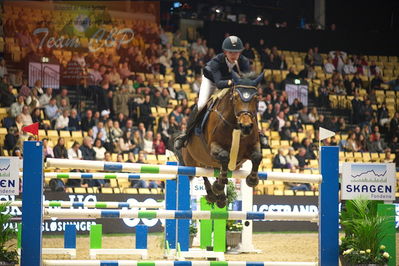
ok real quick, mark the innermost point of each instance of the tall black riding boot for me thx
(181, 140)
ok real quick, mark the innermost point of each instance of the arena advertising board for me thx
(261, 203)
(9, 176)
(374, 181)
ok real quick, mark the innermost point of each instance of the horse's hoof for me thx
(211, 198)
(217, 188)
(252, 181)
(221, 203)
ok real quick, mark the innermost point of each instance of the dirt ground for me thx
(273, 246)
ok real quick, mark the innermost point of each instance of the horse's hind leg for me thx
(223, 157)
(252, 179)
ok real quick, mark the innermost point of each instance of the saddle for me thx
(203, 115)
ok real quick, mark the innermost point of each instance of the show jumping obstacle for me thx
(94, 204)
(32, 216)
(177, 170)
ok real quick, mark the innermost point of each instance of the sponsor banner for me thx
(372, 181)
(9, 176)
(291, 204)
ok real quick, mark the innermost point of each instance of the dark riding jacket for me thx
(217, 70)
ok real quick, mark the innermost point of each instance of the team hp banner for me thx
(373, 181)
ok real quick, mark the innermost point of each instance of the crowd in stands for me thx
(126, 86)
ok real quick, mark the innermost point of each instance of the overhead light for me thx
(258, 18)
(217, 10)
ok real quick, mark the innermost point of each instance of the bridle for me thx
(247, 98)
(233, 93)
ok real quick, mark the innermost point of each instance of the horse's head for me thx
(245, 101)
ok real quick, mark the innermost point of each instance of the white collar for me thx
(230, 65)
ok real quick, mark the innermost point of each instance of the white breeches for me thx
(206, 90)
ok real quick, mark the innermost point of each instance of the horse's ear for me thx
(235, 76)
(258, 79)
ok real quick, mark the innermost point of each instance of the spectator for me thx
(74, 121)
(99, 129)
(310, 147)
(269, 113)
(99, 149)
(303, 116)
(87, 150)
(17, 107)
(59, 150)
(11, 139)
(120, 101)
(51, 110)
(394, 84)
(88, 121)
(26, 117)
(33, 99)
(374, 70)
(301, 157)
(378, 145)
(383, 115)
(3, 68)
(309, 58)
(356, 109)
(358, 81)
(352, 143)
(159, 145)
(163, 128)
(181, 75)
(138, 142)
(348, 68)
(198, 47)
(62, 121)
(280, 160)
(139, 183)
(125, 143)
(247, 52)
(317, 59)
(279, 122)
(46, 97)
(146, 115)
(285, 133)
(296, 125)
(148, 142)
(329, 68)
(74, 153)
(63, 96)
(7, 97)
(295, 143)
(394, 125)
(24, 89)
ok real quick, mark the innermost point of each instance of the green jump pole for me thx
(389, 241)
(96, 235)
(205, 226)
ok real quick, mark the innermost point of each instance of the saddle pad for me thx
(199, 129)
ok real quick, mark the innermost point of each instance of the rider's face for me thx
(232, 56)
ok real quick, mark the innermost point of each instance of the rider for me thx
(217, 73)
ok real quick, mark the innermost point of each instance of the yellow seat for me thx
(107, 190)
(80, 190)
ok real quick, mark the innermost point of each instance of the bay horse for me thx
(235, 108)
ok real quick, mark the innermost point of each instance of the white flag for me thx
(325, 133)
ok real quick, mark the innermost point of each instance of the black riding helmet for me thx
(232, 44)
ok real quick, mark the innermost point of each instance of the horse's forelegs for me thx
(210, 196)
(252, 179)
(222, 156)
